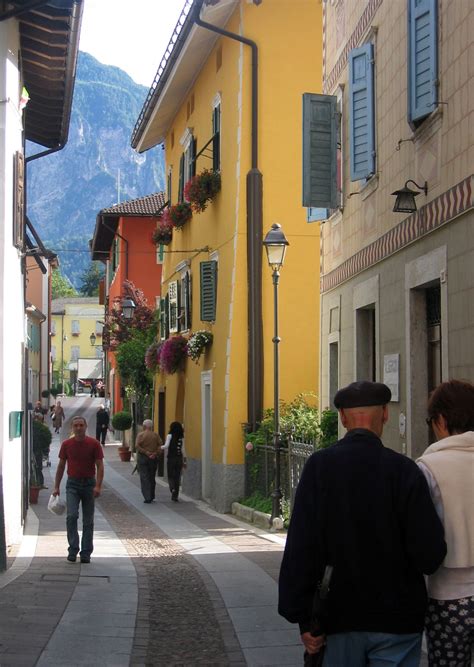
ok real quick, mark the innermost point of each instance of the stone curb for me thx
(259, 519)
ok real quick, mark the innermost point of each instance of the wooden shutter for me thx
(361, 112)
(185, 304)
(422, 58)
(163, 313)
(216, 141)
(19, 200)
(320, 132)
(192, 158)
(208, 291)
(181, 179)
(173, 306)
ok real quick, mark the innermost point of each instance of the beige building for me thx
(397, 288)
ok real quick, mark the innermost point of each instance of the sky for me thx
(129, 35)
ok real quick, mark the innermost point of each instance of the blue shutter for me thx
(361, 112)
(320, 124)
(208, 291)
(422, 58)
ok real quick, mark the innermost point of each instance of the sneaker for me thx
(85, 559)
(71, 558)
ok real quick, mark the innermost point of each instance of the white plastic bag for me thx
(56, 505)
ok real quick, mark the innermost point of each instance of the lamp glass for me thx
(405, 201)
(92, 338)
(128, 306)
(276, 256)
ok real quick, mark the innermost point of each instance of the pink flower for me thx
(249, 446)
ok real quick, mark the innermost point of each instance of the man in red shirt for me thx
(85, 470)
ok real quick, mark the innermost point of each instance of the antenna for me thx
(118, 186)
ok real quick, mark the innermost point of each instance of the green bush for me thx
(122, 421)
(41, 437)
(258, 502)
(45, 393)
(327, 428)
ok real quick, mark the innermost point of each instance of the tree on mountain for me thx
(60, 285)
(90, 280)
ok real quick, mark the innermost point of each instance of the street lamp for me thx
(405, 197)
(275, 244)
(92, 339)
(128, 308)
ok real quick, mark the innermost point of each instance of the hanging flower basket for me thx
(202, 189)
(163, 233)
(177, 215)
(152, 357)
(173, 354)
(197, 344)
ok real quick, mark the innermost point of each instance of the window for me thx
(208, 291)
(422, 59)
(173, 306)
(75, 352)
(98, 352)
(333, 371)
(53, 352)
(98, 328)
(320, 138)
(187, 163)
(53, 327)
(185, 301)
(361, 112)
(75, 328)
(216, 137)
(366, 343)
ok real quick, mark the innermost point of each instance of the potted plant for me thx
(163, 233)
(41, 441)
(197, 344)
(178, 215)
(45, 393)
(152, 356)
(122, 421)
(173, 354)
(202, 188)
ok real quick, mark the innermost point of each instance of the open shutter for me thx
(208, 291)
(361, 112)
(422, 58)
(181, 180)
(216, 141)
(319, 150)
(173, 306)
(185, 305)
(192, 159)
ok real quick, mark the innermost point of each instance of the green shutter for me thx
(181, 179)
(208, 291)
(162, 318)
(320, 131)
(216, 141)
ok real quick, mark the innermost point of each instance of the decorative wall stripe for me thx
(362, 25)
(436, 213)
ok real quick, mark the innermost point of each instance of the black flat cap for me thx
(361, 394)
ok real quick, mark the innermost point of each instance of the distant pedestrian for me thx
(148, 446)
(366, 511)
(58, 417)
(448, 466)
(107, 402)
(176, 460)
(85, 470)
(93, 388)
(38, 412)
(101, 424)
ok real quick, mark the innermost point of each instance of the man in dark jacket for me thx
(366, 510)
(101, 424)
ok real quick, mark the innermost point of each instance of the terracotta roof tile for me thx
(146, 206)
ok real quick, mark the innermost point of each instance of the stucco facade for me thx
(212, 397)
(397, 288)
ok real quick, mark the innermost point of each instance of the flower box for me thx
(197, 344)
(173, 354)
(163, 233)
(178, 215)
(202, 188)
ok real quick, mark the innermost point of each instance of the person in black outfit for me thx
(93, 388)
(174, 446)
(365, 510)
(101, 424)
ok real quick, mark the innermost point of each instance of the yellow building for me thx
(73, 320)
(228, 97)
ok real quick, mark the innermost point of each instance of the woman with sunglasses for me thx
(448, 466)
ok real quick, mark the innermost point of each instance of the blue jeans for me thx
(80, 491)
(372, 649)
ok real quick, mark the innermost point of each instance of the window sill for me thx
(428, 127)
(369, 187)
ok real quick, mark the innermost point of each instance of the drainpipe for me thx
(254, 245)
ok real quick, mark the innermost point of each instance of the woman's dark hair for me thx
(176, 429)
(455, 401)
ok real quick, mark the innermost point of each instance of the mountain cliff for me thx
(96, 169)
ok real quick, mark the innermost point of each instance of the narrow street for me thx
(169, 584)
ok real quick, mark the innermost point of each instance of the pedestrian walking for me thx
(38, 412)
(366, 511)
(101, 424)
(85, 470)
(148, 446)
(58, 417)
(448, 466)
(176, 459)
(93, 388)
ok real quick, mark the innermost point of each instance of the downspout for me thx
(254, 245)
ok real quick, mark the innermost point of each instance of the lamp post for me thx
(275, 244)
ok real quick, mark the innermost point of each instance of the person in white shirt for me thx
(448, 466)
(176, 457)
